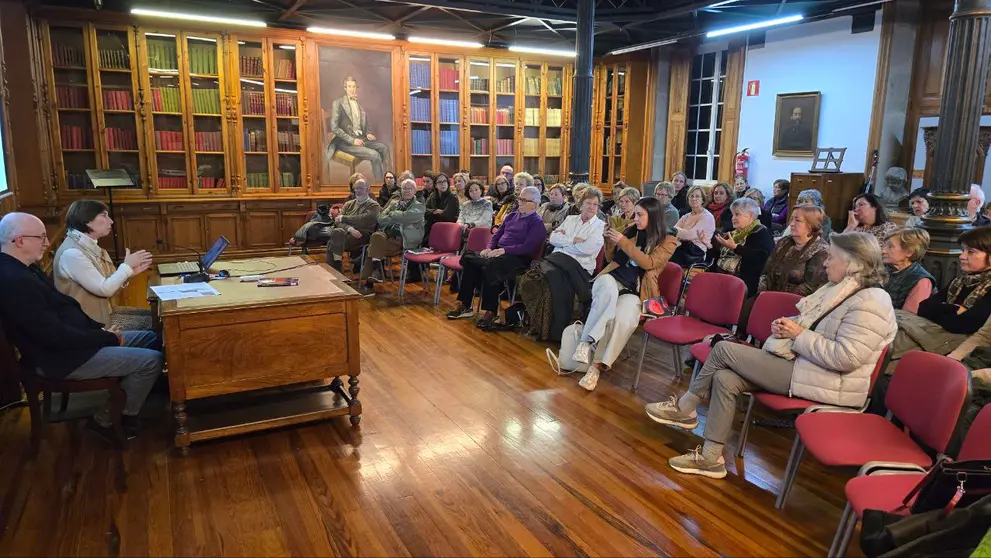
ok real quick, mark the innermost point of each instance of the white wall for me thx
(820, 56)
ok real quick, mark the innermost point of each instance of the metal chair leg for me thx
(745, 430)
(840, 530)
(438, 284)
(851, 524)
(791, 471)
(403, 266)
(643, 351)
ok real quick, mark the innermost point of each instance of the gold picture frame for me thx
(796, 124)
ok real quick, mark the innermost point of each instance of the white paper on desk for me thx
(184, 290)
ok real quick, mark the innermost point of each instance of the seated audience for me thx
(461, 181)
(777, 206)
(554, 211)
(520, 181)
(664, 194)
(477, 211)
(504, 195)
(620, 288)
(680, 200)
(442, 206)
(908, 282)
(353, 226)
(578, 192)
(694, 230)
(869, 216)
(355, 177)
(744, 251)
(84, 270)
(918, 203)
(511, 249)
(400, 228)
(740, 186)
(796, 264)
(975, 205)
(549, 289)
(538, 182)
(390, 188)
(825, 354)
(758, 197)
(625, 201)
(617, 191)
(505, 172)
(54, 335)
(428, 187)
(814, 197)
(722, 197)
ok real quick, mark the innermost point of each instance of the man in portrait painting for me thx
(349, 126)
(796, 134)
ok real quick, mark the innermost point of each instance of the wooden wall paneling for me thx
(186, 230)
(51, 113)
(140, 232)
(647, 154)
(635, 131)
(291, 221)
(681, 69)
(226, 224)
(262, 229)
(732, 94)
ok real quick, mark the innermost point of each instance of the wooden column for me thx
(581, 107)
(968, 60)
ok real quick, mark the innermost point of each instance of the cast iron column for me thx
(965, 78)
(581, 98)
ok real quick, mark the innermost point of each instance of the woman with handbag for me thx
(744, 250)
(825, 354)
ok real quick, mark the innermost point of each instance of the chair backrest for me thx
(445, 237)
(926, 394)
(715, 298)
(882, 363)
(669, 283)
(600, 260)
(539, 254)
(769, 306)
(977, 443)
(478, 239)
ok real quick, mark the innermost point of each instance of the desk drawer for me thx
(276, 315)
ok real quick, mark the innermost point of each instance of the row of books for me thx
(171, 182)
(206, 101)
(479, 146)
(208, 141)
(116, 59)
(288, 140)
(253, 103)
(285, 68)
(167, 140)
(479, 115)
(286, 104)
(419, 109)
(450, 143)
(555, 116)
(165, 99)
(162, 56)
(122, 139)
(531, 147)
(552, 147)
(419, 75)
(504, 146)
(250, 66)
(256, 180)
(531, 117)
(506, 85)
(211, 182)
(420, 140)
(554, 87)
(76, 181)
(533, 86)
(476, 83)
(75, 137)
(254, 140)
(504, 115)
(203, 59)
(288, 180)
(117, 99)
(67, 96)
(64, 55)
(448, 78)
(448, 110)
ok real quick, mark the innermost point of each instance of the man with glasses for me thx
(53, 334)
(511, 248)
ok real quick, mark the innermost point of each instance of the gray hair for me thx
(592, 191)
(813, 195)
(667, 187)
(12, 226)
(410, 180)
(977, 193)
(531, 192)
(630, 193)
(862, 253)
(406, 175)
(746, 204)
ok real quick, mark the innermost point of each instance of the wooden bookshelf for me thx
(612, 93)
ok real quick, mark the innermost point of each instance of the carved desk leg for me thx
(181, 432)
(354, 406)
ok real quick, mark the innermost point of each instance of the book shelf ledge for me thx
(69, 68)
(166, 151)
(289, 152)
(123, 151)
(118, 70)
(74, 109)
(118, 111)
(207, 114)
(163, 113)
(207, 76)
(78, 150)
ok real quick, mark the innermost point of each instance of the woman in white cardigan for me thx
(825, 354)
(84, 270)
(694, 230)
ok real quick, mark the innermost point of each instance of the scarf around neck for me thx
(717, 210)
(740, 236)
(979, 282)
(100, 258)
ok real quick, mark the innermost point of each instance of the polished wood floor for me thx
(468, 445)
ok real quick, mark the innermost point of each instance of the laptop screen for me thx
(215, 251)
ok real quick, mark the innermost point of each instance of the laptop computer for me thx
(208, 259)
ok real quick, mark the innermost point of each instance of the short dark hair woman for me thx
(442, 205)
(390, 188)
(868, 215)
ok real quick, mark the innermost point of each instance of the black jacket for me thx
(49, 328)
(753, 257)
(944, 312)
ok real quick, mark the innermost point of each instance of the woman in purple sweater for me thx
(512, 247)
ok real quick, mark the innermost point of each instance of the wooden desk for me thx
(267, 341)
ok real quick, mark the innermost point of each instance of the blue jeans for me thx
(138, 363)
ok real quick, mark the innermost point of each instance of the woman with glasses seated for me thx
(664, 194)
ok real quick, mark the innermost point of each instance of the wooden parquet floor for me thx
(468, 445)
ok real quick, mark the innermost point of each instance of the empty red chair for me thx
(926, 394)
(445, 240)
(712, 305)
(478, 240)
(669, 283)
(886, 492)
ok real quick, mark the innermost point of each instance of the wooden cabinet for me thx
(621, 130)
(837, 189)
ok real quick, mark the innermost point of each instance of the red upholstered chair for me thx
(712, 305)
(926, 394)
(445, 240)
(478, 240)
(886, 492)
(669, 284)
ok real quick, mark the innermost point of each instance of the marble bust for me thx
(895, 187)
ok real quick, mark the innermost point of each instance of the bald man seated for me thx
(54, 335)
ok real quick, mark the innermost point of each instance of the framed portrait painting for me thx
(796, 124)
(356, 113)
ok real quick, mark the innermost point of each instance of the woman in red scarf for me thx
(722, 197)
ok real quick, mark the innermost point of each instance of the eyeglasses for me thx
(42, 237)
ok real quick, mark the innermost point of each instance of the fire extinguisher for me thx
(742, 163)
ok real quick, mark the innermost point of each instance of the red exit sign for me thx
(753, 88)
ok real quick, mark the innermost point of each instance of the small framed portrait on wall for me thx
(796, 124)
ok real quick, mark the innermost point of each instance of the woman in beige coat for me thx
(825, 354)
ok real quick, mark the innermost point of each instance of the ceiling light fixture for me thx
(752, 26)
(642, 46)
(351, 33)
(197, 17)
(287, 47)
(538, 50)
(864, 5)
(445, 42)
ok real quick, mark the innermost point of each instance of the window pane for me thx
(703, 143)
(689, 165)
(693, 92)
(722, 89)
(705, 115)
(709, 65)
(693, 118)
(722, 64)
(715, 168)
(719, 138)
(700, 163)
(697, 67)
(706, 95)
(719, 117)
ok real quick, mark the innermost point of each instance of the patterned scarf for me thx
(741, 235)
(979, 282)
(717, 210)
(100, 258)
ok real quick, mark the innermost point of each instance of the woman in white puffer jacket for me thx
(824, 354)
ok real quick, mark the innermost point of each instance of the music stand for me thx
(828, 159)
(108, 180)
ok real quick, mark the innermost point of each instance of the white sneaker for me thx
(590, 379)
(583, 352)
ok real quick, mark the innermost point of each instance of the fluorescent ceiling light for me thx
(752, 26)
(201, 39)
(277, 90)
(415, 91)
(198, 17)
(642, 46)
(287, 47)
(474, 63)
(351, 33)
(506, 65)
(447, 42)
(252, 82)
(547, 51)
(160, 35)
(418, 59)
